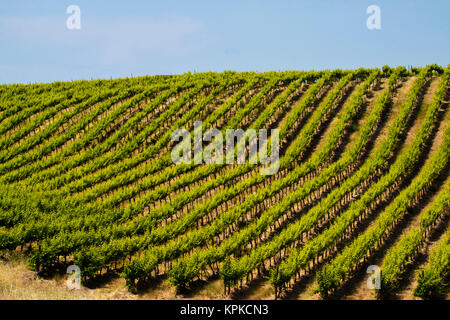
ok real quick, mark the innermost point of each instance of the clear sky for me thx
(120, 38)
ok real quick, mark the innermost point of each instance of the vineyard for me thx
(87, 179)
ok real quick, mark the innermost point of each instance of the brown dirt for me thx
(359, 290)
(427, 99)
(17, 282)
(370, 100)
(406, 291)
(398, 99)
(331, 124)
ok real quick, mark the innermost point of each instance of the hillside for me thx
(88, 178)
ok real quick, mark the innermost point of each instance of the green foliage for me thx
(432, 280)
(86, 174)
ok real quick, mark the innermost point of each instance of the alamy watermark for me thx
(236, 142)
(74, 280)
(374, 280)
(73, 22)
(373, 22)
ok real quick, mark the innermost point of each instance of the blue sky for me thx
(122, 38)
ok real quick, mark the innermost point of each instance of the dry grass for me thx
(17, 282)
